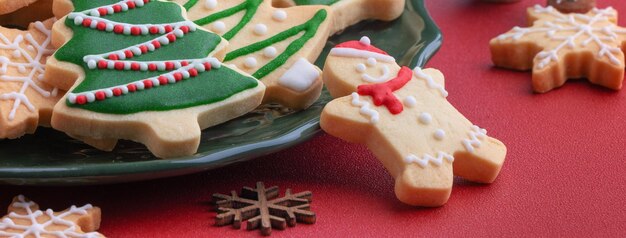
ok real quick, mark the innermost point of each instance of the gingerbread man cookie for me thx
(402, 115)
(141, 71)
(25, 101)
(350, 12)
(559, 46)
(274, 45)
(24, 219)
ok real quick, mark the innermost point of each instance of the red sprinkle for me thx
(130, 4)
(128, 54)
(100, 95)
(86, 22)
(132, 87)
(207, 66)
(81, 99)
(101, 26)
(103, 11)
(184, 63)
(102, 64)
(134, 66)
(178, 76)
(171, 37)
(117, 8)
(185, 29)
(162, 80)
(152, 67)
(119, 65)
(117, 91)
(135, 30)
(168, 29)
(119, 29)
(169, 65)
(147, 83)
(154, 30)
(113, 57)
(156, 44)
(193, 72)
(143, 49)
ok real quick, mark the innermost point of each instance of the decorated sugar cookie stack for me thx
(141, 71)
(402, 115)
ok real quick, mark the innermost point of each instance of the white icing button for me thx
(21, 69)
(361, 68)
(210, 4)
(371, 61)
(270, 52)
(260, 29)
(250, 62)
(17, 54)
(365, 40)
(440, 134)
(279, 15)
(425, 118)
(218, 27)
(410, 101)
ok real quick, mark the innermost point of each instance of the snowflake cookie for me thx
(403, 117)
(274, 45)
(350, 12)
(25, 220)
(139, 70)
(25, 101)
(560, 46)
(263, 209)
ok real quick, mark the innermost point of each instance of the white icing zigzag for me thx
(33, 66)
(574, 26)
(430, 81)
(476, 134)
(365, 108)
(38, 229)
(427, 158)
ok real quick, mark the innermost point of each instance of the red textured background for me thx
(564, 174)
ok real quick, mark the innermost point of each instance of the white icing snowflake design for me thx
(32, 67)
(573, 30)
(38, 229)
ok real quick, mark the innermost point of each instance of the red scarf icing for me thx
(382, 93)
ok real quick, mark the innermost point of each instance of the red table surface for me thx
(564, 173)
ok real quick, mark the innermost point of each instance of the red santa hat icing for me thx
(361, 49)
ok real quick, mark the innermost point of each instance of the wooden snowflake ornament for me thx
(559, 46)
(25, 220)
(263, 209)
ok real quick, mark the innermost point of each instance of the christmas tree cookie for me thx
(273, 45)
(350, 12)
(139, 70)
(402, 115)
(559, 46)
(25, 101)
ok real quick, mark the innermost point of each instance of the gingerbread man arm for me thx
(559, 46)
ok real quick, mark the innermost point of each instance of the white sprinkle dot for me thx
(210, 4)
(365, 40)
(440, 134)
(260, 29)
(21, 69)
(425, 118)
(30, 47)
(270, 52)
(250, 62)
(361, 68)
(279, 15)
(218, 27)
(410, 101)
(371, 62)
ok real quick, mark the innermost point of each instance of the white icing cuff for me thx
(300, 76)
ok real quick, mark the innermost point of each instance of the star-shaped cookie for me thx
(559, 46)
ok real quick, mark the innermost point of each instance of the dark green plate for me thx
(51, 158)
